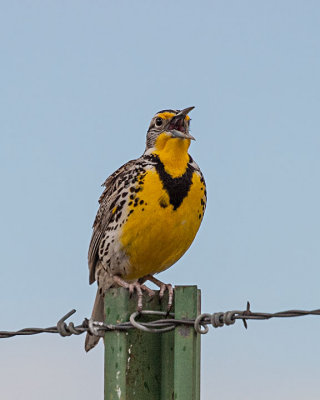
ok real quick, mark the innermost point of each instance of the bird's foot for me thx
(135, 286)
(163, 287)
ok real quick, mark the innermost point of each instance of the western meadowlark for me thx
(150, 212)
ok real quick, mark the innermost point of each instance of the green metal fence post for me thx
(167, 359)
(116, 352)
(132, 358)
(152, 366)
(186, 345)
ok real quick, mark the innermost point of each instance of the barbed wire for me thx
(166, 324)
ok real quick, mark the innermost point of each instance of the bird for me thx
(149, 214)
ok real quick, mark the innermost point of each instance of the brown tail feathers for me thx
(97, 315)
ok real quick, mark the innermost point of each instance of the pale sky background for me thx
(79, 83)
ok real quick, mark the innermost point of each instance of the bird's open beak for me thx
(178, 127)
(185, 111)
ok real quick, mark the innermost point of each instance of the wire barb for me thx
(166, 324)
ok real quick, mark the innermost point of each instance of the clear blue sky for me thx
(79, 83)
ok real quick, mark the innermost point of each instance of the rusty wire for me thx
(167, 323)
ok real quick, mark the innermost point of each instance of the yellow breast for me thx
(156, 234)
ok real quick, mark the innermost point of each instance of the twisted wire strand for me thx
(167, 323)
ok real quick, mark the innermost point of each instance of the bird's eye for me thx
(159, 121)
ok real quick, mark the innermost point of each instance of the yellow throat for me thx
(173, 153)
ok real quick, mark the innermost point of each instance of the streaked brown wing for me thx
(108, 200)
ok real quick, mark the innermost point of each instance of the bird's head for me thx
(167, 125)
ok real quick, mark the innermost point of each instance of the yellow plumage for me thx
(164, 234)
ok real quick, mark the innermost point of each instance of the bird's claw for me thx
(169, 288)
(163, 287)
(135, 286)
